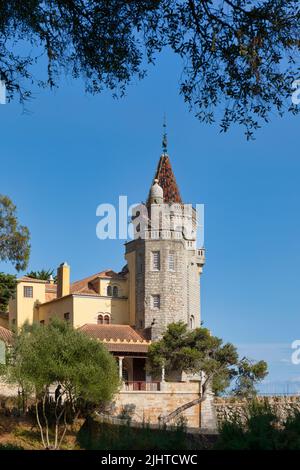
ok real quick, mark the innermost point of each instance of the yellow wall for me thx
(122, 286)
(57, 309)
(87, 309)
(22, 309)
(130, 258)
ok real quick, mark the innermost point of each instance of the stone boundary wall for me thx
(227, 408)
(149, 406)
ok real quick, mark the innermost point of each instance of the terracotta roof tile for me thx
(5, 335)
(167, 180)
(112, 332)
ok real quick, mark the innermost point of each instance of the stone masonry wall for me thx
(149, 406)
(227, 408)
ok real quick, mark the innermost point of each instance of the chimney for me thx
(63, 280)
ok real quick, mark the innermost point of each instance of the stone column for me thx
(121, 367)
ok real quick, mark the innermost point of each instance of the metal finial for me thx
(165, 139)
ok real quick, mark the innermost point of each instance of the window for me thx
(115, 291)
(100, 319)
(192, 321)
(171, 261)
(155, 260)
(67, 316)
(42, 322)
(156, 301)
(109, 291)
(106, 319)
(140, 264)
(28, 291)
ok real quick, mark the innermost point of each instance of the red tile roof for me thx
(85, 286)
(112, 332)
(117, 338)
(5, 335)
(32, 279)
(166, 179)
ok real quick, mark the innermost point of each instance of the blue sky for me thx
(72, 151)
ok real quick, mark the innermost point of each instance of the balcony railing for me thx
(137, 386)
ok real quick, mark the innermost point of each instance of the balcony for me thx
(139, 386)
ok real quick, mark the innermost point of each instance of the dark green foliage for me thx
(14, 238)
(197, 350)
(43, 274)
(104, 436)
(10, 447)
(239, 57)
(260, 429)
(8, 284)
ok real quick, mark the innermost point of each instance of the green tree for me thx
(14, 238)
(43, 274)
(195, 351)
(237, 55)
(85, 374)
(8, 284)
(14, 247)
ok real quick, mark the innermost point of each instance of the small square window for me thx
(156, 301)
(67, 316)
(28, 291)
(156, 260)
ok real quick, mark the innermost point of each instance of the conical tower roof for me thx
(166, 179)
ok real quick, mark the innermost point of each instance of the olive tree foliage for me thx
(83, 372)
(195, 351)
(238, 57)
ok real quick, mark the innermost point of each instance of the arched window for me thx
(106, 319)
(192, 321)
(115, 291)
(109, 291)
(100, 319)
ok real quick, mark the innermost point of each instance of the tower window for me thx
(28, 291)
(106, 319)
(115, 291)
(156, 260)
(171, 261)
(192, 321)
(156, 301)
(109, 291)
(100, 319)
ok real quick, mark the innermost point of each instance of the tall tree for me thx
(14, 238)
(14, 247)
(240, 56)
(197, 351)
(84, 371)
(8, 284)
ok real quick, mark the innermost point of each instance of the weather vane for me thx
(165, 140)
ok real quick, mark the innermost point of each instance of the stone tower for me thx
(163, 260)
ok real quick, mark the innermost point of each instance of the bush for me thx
(10, 447)
(104, 436)
(260, 429)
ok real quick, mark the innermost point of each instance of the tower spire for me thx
(165, 138)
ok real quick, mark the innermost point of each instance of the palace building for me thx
(127, 310)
